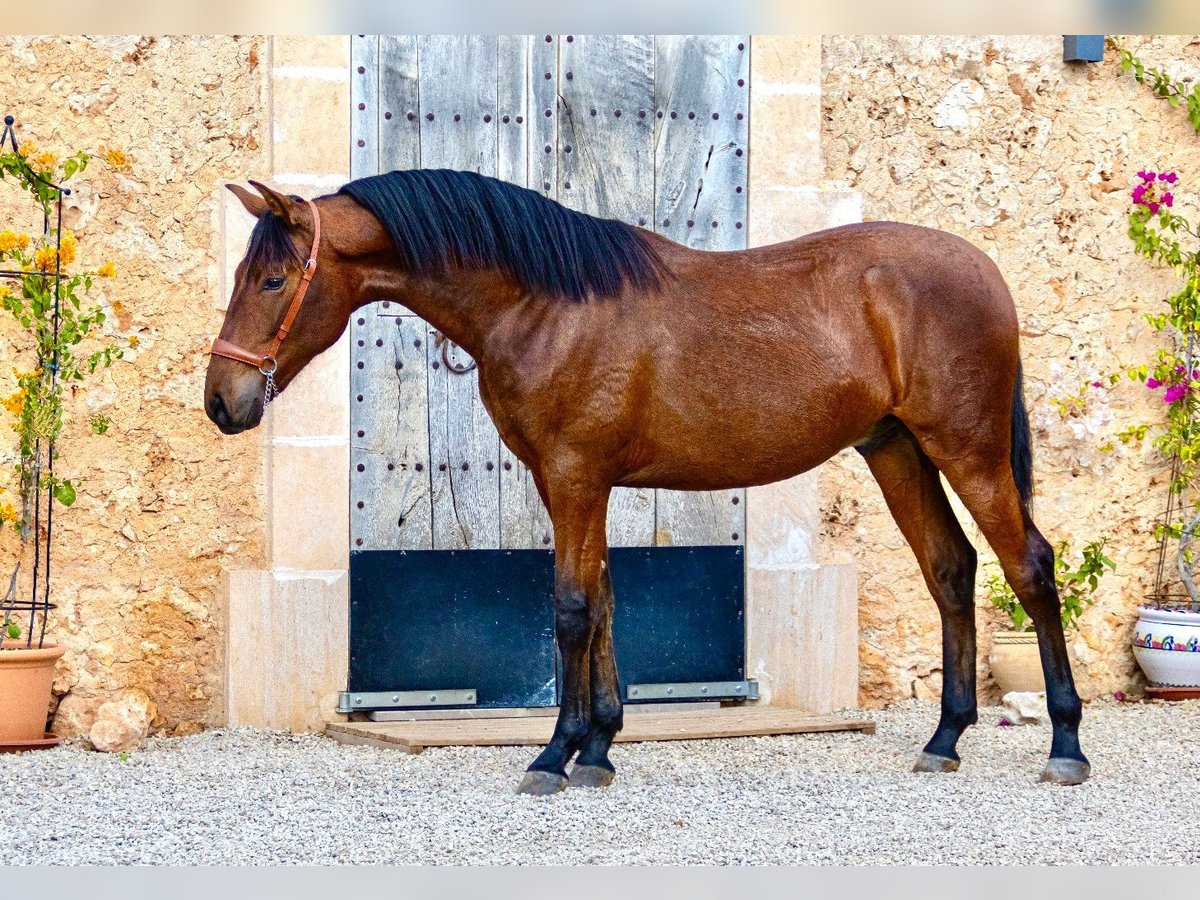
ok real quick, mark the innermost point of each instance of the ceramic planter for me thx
(26, 676)
(1166, 644)
(1016, 665)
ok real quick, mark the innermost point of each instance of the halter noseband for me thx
(267, 363)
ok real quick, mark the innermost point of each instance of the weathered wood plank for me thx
(535, 730)
(389, 444)
(524, 522)
(364, 105)
(701, 85)
(399, 128)
(606, 168)
(458, 120)
(458, 102)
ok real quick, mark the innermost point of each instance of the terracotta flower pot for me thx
(1016, 665)
(26, 676)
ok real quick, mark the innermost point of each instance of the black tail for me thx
(1021, 454)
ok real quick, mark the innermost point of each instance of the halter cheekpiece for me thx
(267, 362)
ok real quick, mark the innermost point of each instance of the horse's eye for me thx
(272, 284)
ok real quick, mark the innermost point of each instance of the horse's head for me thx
(268, 278)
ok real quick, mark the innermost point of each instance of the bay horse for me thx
(611, 356)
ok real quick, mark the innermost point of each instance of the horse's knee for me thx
(1035, 577)
(572, 618)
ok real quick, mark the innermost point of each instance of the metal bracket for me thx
(350, 702)
(694, 690)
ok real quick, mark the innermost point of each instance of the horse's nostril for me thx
(217, 411)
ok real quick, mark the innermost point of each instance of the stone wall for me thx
(997, 140)
(167, 503)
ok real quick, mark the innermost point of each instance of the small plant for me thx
(42, 265)
(1178, 93)
(1076, 586)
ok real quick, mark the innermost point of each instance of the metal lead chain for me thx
(269, 391)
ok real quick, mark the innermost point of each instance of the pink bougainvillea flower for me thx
(1118, 695)
(1153, 383)
(1168, 177)
(1179, 370)
(1168, 199)
(1138, 193)
(1153, 207)
(1145, 175)
(1004, 723)
(1173, 393)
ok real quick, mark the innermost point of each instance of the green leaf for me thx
(65, 493)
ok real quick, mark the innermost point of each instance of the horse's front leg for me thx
(580, 580)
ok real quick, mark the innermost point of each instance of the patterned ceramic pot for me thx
(1016, 665)
(1166, 643)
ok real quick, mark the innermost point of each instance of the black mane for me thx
(440, 218)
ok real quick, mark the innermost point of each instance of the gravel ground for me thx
(244, 797)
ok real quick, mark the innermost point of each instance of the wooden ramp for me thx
(683, 725)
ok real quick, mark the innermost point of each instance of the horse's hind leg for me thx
(981, 474)
(914, 494)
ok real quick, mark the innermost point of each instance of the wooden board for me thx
(606, 168)
(535, 730)
(701, 132)
(459, 131)
(389, 442)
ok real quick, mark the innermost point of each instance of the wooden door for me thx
(649, 130)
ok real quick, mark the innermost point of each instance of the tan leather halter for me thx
(266, 362)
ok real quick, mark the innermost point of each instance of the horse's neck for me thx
(462, 304)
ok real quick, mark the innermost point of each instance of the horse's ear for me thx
(287, 208)
(254, 204)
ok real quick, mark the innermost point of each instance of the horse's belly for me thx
(723, 460)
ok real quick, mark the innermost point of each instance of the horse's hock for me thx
(287, 658)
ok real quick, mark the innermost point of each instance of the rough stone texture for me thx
(167, 502)
(122, 725)
(997, 140)
(1026, 707)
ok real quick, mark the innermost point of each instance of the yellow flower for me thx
(42, 162)
(118, 160)
(16, 402)
(8, 512)
(67, 248)
(133, 341)
(10, 240)
(43, 258)
(108, 270)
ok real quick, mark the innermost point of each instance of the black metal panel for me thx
(438, 619)
(484, 619)
(680, 614)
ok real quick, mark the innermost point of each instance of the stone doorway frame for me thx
(286, 658)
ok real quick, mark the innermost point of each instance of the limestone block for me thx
(317, 402)
(288, 644)
(785, 59)
(781, 213)
(311, 127)
(802, 636)
(785, 135)
(311, 50)
(782, 522)
(310, 502)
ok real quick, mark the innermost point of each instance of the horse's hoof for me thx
(542, 784)
(1066, 771)
(931, 762)
(592, 776)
